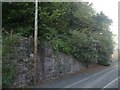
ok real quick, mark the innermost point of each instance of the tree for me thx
(72, 28)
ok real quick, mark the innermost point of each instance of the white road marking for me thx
(68, 86)
(105, 70)
(76, 83)
(110, 83)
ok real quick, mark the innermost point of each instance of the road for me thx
(105, 78)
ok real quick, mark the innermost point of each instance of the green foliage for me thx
(84, 46)
(61, 45)
(26, 31)
(8, 75)
(9, 44)
(72, 28)
(104, 46)
(9, 72)
(17, 14)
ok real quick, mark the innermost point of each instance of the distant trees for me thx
(72, 28)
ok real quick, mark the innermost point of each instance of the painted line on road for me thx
(68, 86)
(110, 83)
(76, 83)
(105, 70)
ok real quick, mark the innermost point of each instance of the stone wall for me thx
(24, 63)
(51, 64)
(58, 64)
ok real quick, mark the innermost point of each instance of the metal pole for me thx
(36, 44)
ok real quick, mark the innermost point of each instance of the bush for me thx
(61, 45)
(84, 47)
(9, 73)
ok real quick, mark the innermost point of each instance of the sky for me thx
(110, 9)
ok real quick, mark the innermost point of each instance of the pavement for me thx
(102, 78)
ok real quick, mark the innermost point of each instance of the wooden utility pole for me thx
(36, 44)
